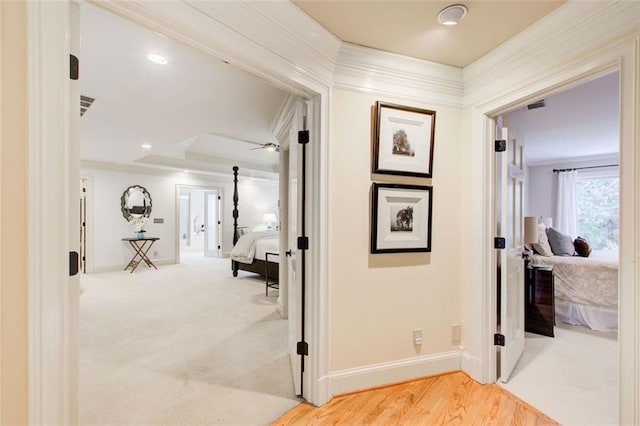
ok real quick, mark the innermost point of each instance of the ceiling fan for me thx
(267, 146)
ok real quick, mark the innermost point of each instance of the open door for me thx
(510, 264)
(294, 272)
(212, 244)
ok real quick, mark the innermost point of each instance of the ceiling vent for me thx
(535, 105)
(85, 103)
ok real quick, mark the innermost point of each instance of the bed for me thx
(255, 252)
(586, 288)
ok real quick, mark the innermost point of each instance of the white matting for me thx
(187, 344)
(572, 378)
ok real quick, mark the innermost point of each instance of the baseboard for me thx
(396, 371)
(473, 366)
(120, 267)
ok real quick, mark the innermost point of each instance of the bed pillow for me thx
(561, 244)
(542, 247)
(582, 247)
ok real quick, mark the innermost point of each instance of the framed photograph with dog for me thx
(401, 218)
(403, 140)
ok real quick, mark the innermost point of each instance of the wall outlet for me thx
(456, 334)
(417, 336)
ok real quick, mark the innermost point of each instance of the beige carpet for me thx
(187, 344)
(572, 378)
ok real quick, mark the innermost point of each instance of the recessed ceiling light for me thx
(145, 146)
(186, 171)
(157, 59)
(451, 15)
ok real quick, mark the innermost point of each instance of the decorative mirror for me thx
(135, 203)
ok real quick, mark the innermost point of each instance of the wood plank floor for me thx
(452, 399)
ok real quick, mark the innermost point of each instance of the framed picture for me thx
(403, 140)
(401, 218)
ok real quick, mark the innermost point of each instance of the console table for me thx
(539, 300)
(141, 247)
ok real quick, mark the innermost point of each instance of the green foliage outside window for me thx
(599, 212)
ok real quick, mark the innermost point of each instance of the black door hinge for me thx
(219, 247)
(74, 67)
(302, 348)
(303, 243)
(499, 243)
(303, 136)
(501, 145)
(498, 339)
(73, 263)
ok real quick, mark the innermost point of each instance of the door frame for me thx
(53, 396)
(221, 194)
(622, 56)
(89, 225)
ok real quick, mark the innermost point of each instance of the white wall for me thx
(378, 299)
(542, 184)
(109, 226)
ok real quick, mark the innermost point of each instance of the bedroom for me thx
(571, 151)
(169, 149)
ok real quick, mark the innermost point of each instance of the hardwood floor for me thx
(452, 398)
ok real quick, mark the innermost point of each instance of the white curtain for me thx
(567, 205)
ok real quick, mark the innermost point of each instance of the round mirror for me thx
(135, 202)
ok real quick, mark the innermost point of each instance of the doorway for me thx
(585, 343)
(199, 222)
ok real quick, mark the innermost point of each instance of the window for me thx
(598, 209)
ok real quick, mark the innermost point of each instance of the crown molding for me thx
(368, 70)
(575, 29)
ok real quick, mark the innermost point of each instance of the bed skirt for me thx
(600, 318)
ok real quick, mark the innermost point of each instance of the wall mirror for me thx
(135, 202)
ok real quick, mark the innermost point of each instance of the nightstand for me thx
(539, 300)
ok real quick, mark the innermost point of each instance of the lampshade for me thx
(269, 218)
(530, 229)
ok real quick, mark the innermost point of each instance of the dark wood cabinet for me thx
(539, 301)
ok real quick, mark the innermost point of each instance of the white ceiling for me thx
(174, 107)
(579, 122)
(410, 27)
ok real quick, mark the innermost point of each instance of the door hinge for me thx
(219, 247)
(303, 136)
(302, 348)
(219, 222)
(499, 243)
(498, 339)
(219, 197)
(74, 67)
(73, 263)
(501, 145)
(303, 243)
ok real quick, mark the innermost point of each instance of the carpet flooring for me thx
(186, 344)
(573, 378)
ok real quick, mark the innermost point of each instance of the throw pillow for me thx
(542, 247)
(582, 247)
(561, 244)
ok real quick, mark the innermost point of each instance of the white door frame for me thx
(221, 194)
(89, 225)
(624, 56)
(52, 364)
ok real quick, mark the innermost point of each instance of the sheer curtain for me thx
(567, 205)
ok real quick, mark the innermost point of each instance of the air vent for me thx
(539, 104)
(85, 103)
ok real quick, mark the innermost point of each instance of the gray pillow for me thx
(561, 244)
(542, 247)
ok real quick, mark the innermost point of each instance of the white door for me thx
(211, 224)
(293, 231)
(510, 265)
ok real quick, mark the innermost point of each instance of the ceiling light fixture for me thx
(157, 59)
(145, 146)
(452, 15)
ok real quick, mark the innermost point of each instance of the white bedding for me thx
(586, 288)
(254, 245)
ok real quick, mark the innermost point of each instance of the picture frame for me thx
(401, 218)
(403, 140)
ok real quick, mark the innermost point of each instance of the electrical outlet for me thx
(456, 334)
(417, 336)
